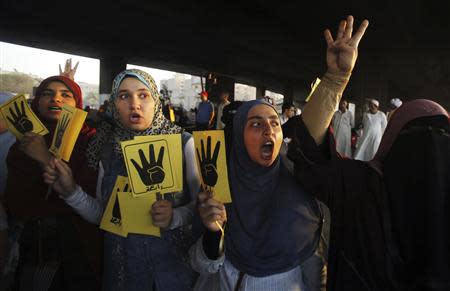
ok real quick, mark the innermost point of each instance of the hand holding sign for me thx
(151, 172)
(19, 118)
(208, 163)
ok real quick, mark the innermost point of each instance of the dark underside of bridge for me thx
(280, 46)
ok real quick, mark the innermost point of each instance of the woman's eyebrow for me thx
(254, 117)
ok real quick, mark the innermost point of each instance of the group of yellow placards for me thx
(154, 165)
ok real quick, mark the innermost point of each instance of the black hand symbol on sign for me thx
(61, 129)
(151, 172)
(20, 119)
(116, 215)
(208, 163)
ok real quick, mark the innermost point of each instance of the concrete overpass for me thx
(270, 44)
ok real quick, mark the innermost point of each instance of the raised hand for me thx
(342, 52)
(62, 125)
(68, 71)
(19, 118)
(151, 172)
(208, 163)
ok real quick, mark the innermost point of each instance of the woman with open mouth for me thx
(69, 252)
(273, 227)
(137, 262)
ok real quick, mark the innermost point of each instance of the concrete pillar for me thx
(109, 67)
(260, 91)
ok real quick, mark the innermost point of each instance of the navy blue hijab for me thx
(273, 225)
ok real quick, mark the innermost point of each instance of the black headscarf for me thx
(273, 225)
(416, 174)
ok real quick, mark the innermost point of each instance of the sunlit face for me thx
(52, 100)
(343, 105)
(203, 97)
(263, 135)
(135, 105)
(373, 108)
(224, 97)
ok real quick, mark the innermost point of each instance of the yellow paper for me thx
(67, 130)
(212, 162)
(313, 88)
(113, 218)
(154, 164)
(20, 118)
(136, 213)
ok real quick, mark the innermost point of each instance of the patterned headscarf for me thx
(115, 131)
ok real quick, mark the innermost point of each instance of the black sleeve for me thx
(211, 242)
(315, 166)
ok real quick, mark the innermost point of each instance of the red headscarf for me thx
(26, 201)
(70, 84)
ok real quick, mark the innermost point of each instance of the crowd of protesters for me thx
(309, 212)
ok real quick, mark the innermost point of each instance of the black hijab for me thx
(416, 174)
(273, 225)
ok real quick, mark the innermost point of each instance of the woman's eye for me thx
(123, 96)
(143, 95)
(65, 95)
(47, 94)
(255, 124)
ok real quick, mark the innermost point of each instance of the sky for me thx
(44, 63)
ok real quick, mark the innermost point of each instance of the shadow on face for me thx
(135, 104)
(263, 135)
(53, 98)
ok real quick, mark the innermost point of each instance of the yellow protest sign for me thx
(154, 164)
(136, 211)
(67, 130)
(113, 218)
(213, 163)
(20, 118)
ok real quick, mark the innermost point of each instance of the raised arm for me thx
(342, 53)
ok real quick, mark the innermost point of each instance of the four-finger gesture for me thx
(62, 125)
(342, 52)
(19, 118)
(151, 172)
(68, 71)
(208, 162)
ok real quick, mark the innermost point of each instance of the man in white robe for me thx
(374, 124)
(343, 123)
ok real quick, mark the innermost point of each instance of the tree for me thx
(17, 83)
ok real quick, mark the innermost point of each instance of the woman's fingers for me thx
(359, 33)
(349, 27)
(341, 29)
(63, 168)
(328, 37)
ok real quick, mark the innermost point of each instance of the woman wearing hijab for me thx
(54, 239)
(273, 227)
(137, 262)
(389, 217)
